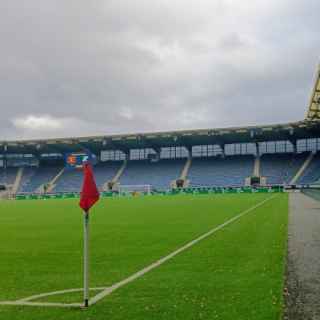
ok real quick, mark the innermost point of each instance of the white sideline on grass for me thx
(156, 264)
(108, 290)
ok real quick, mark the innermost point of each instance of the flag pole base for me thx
(86, 303)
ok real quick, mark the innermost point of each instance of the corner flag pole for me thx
(86, 259)
(88, 197)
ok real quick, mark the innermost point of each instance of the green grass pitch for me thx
(237, 273)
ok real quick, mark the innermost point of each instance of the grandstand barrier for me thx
(183, 182)
(17, 181)
(135, 189)
(302, 169)
(181, 191)
(52, 184)
(256, 166)
(119, 173)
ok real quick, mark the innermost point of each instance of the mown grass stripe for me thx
(159, 262)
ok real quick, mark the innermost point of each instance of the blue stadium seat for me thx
(213, 171)
(312, 172)
(216, 171)
(105, 171)
(281, 168)
(71, 180)
(33, 178)
(157, 174)
(28, 173)
(8, 175)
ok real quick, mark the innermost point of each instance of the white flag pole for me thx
(86, 260)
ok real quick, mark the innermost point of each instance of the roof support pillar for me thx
(5, 160)
(157, 151)
(294, 145)
(257, 149)
(189, 149)
(223, 149)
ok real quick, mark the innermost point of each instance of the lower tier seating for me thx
(214, 171)
(36, 177)
(281, 168)
(71, 180)
(157, 174)
(312, 172)
(8, 175)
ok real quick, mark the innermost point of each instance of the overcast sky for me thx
(119, 66)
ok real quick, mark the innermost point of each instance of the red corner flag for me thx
(89, 194)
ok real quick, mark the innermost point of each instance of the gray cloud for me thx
(122, 66)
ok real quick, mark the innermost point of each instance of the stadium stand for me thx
(312, 173)
(214, 171)
(278, 168)
(71, 180)
(8, 175)
(28, 164)
(27, 175)
(281, 168)
(36, 177)
(157, 174)
(105, 171)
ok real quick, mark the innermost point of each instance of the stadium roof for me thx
(314, 105)
(277, 132)
(305, 129)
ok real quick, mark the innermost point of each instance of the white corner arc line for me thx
(55, 293)
(40, 304)
(159, 262)
(29, 300)
(108, 290)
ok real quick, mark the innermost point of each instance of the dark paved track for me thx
(303, 269)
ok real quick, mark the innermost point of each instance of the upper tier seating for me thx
(157, 174)
(31, 181)
(216, 171)
(312, 172)
(8, 175)
(281, 168)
